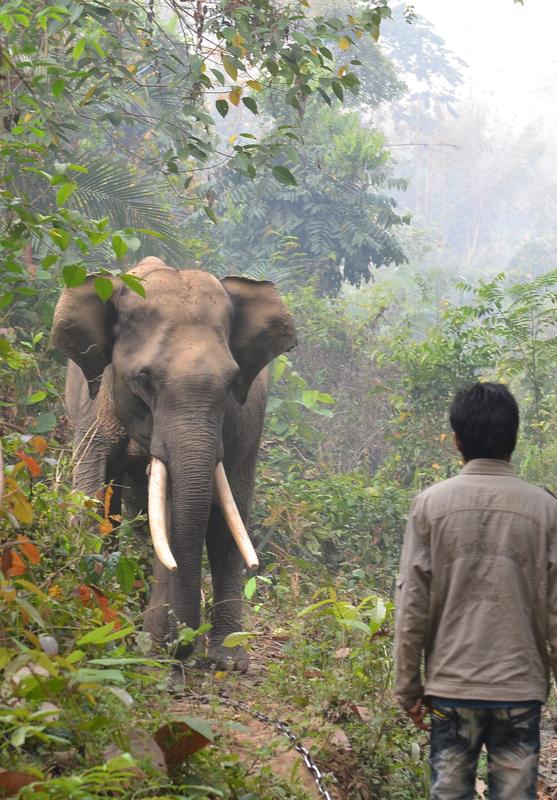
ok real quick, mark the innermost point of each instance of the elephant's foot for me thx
(228, 658)
(156, 624)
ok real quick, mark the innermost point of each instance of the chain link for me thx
(283, 728)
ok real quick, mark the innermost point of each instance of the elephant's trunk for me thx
(184, 454)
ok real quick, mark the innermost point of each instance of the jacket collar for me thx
(488, 466)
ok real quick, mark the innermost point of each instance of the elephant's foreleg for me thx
(157, 621)
(226, 612)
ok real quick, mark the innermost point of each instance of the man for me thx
(477, 597)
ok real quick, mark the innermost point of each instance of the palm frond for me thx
(110, 188)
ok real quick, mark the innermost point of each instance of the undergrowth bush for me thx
(85, 711)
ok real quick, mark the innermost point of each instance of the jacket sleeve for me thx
(552, 598)
(412, 608)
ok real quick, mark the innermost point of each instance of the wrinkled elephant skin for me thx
(179, 376)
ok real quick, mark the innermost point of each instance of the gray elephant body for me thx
(179, 375)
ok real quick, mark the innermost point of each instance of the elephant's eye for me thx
(141, 382)
(143, 376)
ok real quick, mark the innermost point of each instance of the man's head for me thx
(485, 421)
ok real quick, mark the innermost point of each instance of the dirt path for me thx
(259, 744)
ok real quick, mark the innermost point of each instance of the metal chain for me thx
(283, 728)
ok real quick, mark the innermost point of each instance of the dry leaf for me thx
(28, 549)
(177, 741)
(32, 466)
(105, 527)
(109, 491)
(340, 740)
(17, 564)
(362, 712)
(11, 783)
(83, 592)
(109, 615)
(39, 444)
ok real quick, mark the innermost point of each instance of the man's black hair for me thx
(485, 419)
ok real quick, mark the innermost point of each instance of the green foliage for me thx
(338, 667)
(291, 399)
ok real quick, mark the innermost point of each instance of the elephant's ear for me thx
(262, 329)
(83, 330)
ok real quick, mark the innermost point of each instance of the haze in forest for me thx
(473, 134)
(511, 56)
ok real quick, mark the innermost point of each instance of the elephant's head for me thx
(176, 356)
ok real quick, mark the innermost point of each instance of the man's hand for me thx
(417, 714)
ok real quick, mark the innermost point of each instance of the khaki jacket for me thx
(477, 590)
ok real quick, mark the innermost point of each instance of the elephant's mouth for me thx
(158, 484)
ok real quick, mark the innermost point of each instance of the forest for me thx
(324, 146)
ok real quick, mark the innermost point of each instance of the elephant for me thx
(178, 380)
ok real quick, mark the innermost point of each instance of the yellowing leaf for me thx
(21, 508)
(255, 85)
(358, 34)
(234, 95)
(344, 43)
(203, 68)
(7, 592)
(132, 69)
(230, 67)
(341, 71)
(237, 40)
(88, 95)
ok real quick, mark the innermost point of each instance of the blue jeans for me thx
(512, 740)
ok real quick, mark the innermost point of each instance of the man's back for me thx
(489, 535)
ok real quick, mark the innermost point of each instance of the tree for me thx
(338, 220)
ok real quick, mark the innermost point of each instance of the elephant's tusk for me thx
(157, 513)
(233, 519)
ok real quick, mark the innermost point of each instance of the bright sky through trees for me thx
(510, 50)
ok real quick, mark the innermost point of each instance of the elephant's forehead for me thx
(183, 295)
